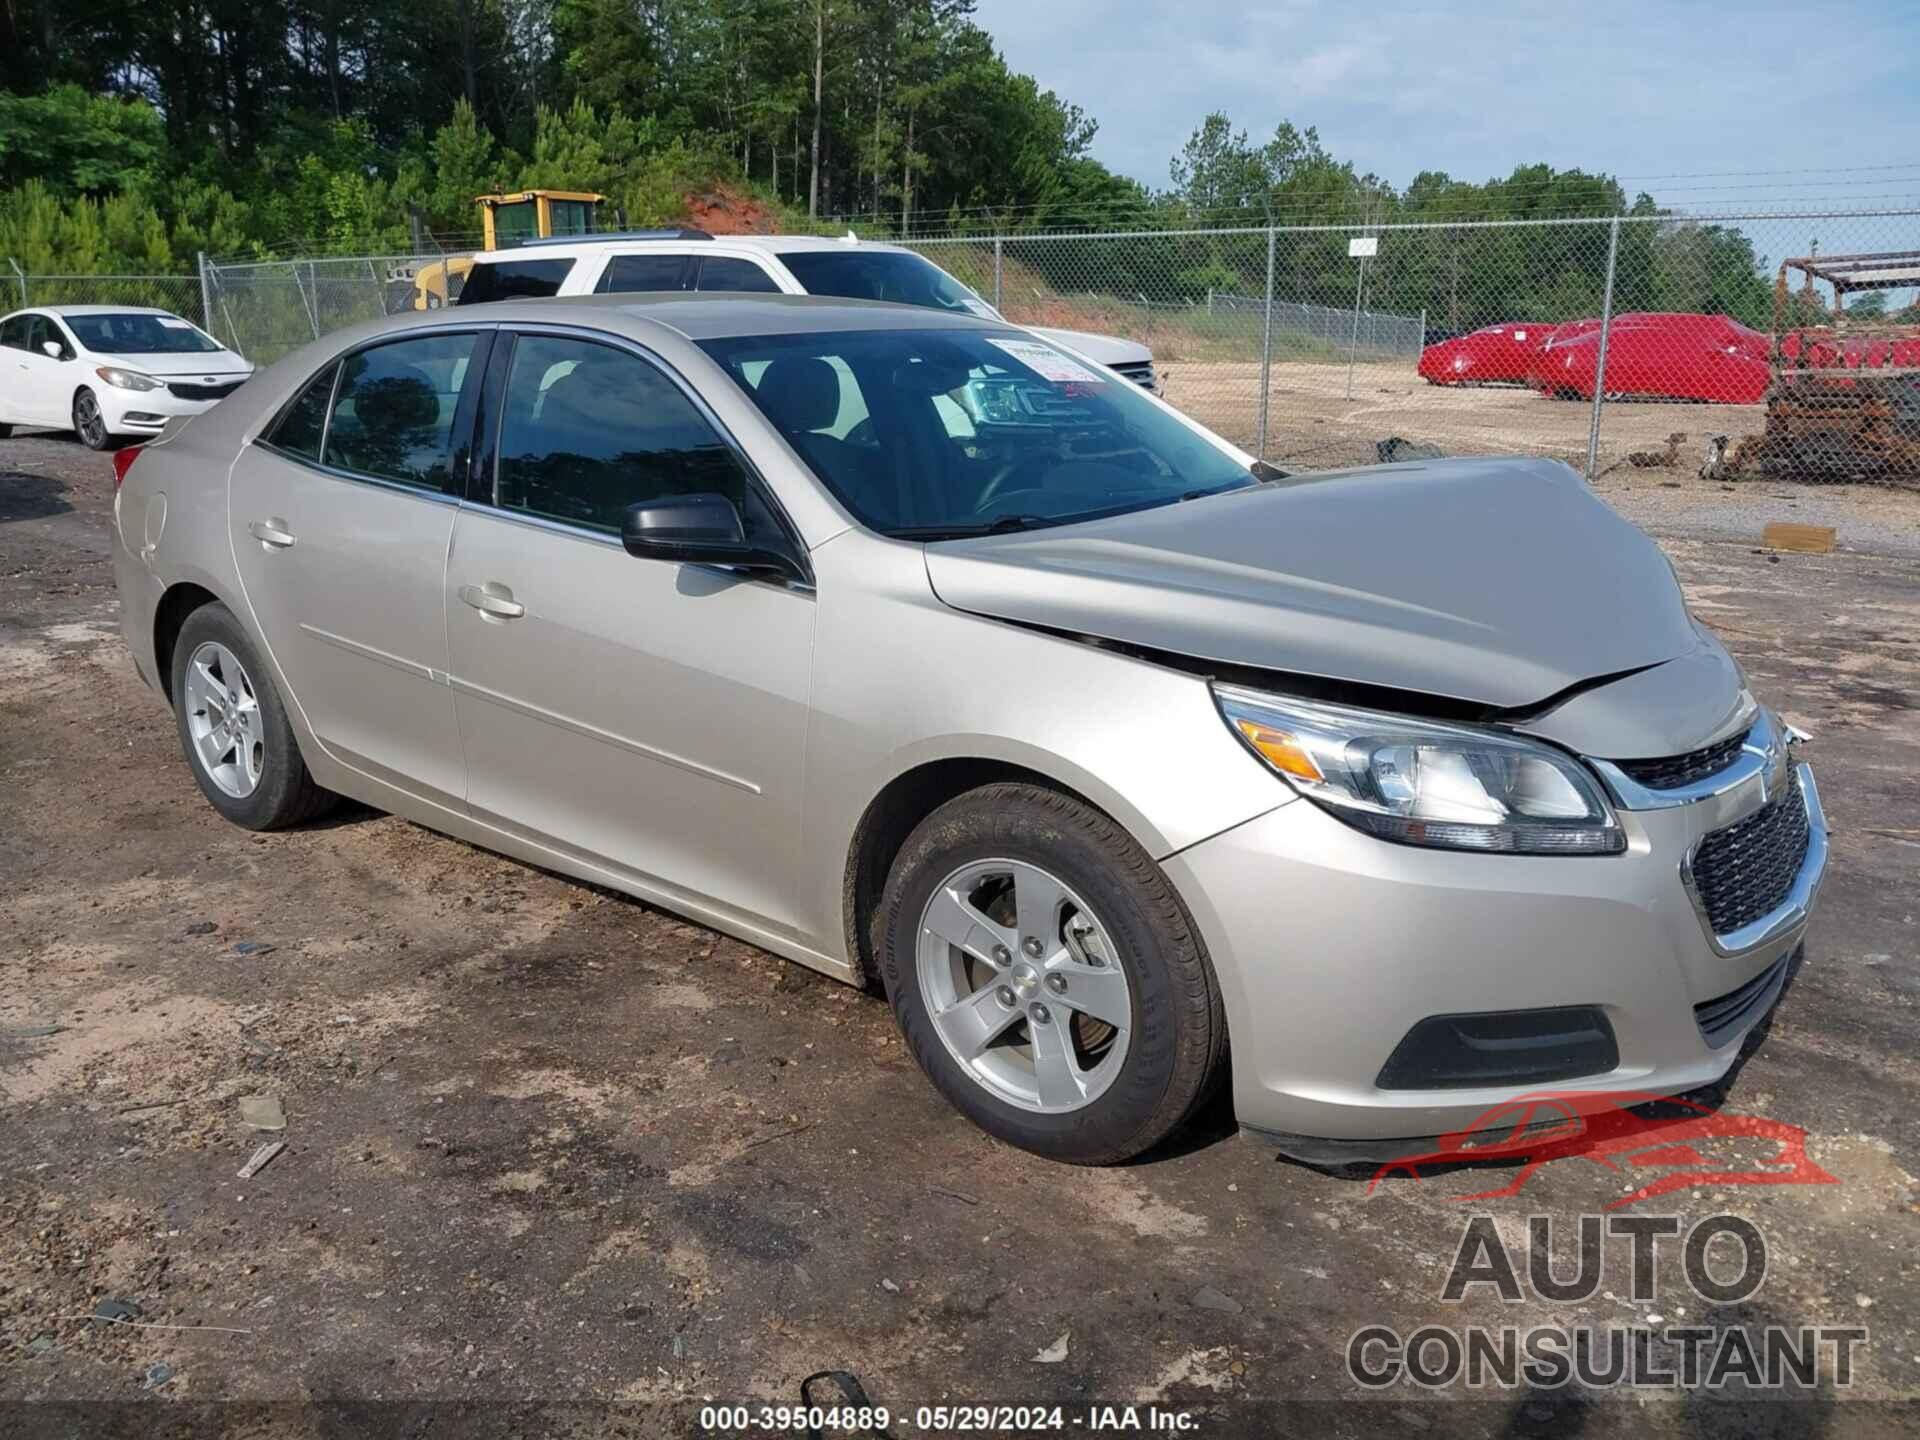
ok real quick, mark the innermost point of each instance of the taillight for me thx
(123, 462)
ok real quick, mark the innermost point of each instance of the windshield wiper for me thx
(1006, 524)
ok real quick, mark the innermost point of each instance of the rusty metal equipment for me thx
(1843, 401)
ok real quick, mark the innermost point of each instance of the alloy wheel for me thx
(1024, 985)
(224, 720)
(88, 421)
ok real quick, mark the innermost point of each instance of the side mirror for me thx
(54, 349)
(701, 529)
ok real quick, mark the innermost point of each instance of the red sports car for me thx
(1494, 353)
(1704, 358)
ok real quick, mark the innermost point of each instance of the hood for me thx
(1670, 709)
(1496, 582)
(1107, 349)
(217, 364)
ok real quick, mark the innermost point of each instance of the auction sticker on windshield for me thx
(1047, 362)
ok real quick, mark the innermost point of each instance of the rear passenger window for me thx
(644, 272)
(723, 272)
(393, 414)
(514, 280)
(13, 333)
(305, 421)
(589, 430)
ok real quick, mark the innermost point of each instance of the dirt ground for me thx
(545, 1144)
(1315, 418)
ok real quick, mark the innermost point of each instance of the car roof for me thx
(718, 316)
(98, 310)
(612, 244)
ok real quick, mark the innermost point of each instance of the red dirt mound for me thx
(725, 211)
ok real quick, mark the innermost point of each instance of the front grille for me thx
(1721, 1019)
(1744, 872)
(1138, 371)
(203, 392)
(1670, 772)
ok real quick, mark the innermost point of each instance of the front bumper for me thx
(144, 412)
(1331, 945)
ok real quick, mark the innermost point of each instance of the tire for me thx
(265, 785)
(5, 430)
(88, 423)
(1115, 908)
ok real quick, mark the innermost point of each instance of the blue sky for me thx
(1645, 91)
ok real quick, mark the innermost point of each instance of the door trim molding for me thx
(367, 652)
(594, 732)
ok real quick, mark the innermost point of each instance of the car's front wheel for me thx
(234, 727)
(88, 421)
(1047, 977)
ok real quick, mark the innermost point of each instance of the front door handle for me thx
(272, 533)
(493, 600)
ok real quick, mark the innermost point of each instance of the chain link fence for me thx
(1734, 346)
(265, 310)
(178, 293)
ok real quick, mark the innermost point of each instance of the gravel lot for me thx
(547, 1144)
(1317, 419)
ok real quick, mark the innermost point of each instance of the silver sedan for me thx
(923, 652)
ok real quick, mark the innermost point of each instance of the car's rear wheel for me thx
(5, 429)
(1047, 978)
(234, 727)
(88, 423)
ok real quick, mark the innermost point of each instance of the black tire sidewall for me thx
(106, 435)
(280, 797)
(1154, 1090)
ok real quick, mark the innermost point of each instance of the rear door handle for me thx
(271, 532)
(493, 599)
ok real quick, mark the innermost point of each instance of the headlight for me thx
(1457, 787)
(128, 379)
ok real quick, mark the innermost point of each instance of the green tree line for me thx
(133, 135)
(1460, 270)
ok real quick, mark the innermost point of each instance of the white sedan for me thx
(109, 372)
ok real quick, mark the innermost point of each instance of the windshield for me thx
(935, 434)
(137, 333)
(894, 275)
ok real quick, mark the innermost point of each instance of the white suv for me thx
(688, 259)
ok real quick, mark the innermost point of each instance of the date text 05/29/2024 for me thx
(947, 1419)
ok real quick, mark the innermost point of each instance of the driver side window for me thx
(41, 331)
(589, 430)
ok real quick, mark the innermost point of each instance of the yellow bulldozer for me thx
(506, 220)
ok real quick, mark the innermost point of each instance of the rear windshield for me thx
(894, 275)
(938, 434)
(514, 280)
(138, 333)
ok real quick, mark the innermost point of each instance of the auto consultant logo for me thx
(1668, 1144)
(1723, 1259)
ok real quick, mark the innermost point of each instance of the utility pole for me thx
(1266, 346)
(819, 75)
(1600, 359)
(206, 293)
